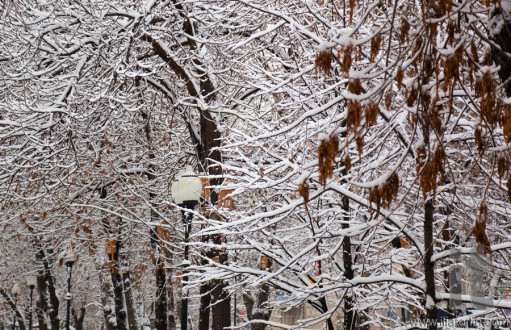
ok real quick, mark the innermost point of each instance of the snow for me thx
(506, 7)
(323, 137)
(325, 45)
(270, 112)
(149, 4)
(499, 18)
(256, 36)
(344, 37)
(496, 303)
(495, 25)
(304, 176)
(430, 302)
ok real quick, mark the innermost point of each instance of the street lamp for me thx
(31, 282)
(69, 260)
(16, 290)
(186, 192)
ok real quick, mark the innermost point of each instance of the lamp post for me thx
(186, 192)
(16, 290)
(69, 260)
(31, 282)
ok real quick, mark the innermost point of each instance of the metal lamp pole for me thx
(187, 219)
(31, 281)
(186, 192)
(69, 260)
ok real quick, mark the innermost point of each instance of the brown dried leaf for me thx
(326, 157)
(479, 230)
(323, 62)
(399, 77)
(372, 113)
(375, 46)
(303, 190)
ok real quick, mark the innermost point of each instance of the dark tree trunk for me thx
(131, 307)
(260, 312)
(220, 298)
(428, 229)
(349, 311)
(221, 311)
(172, 308)
(503, 39)
(46, 282)
(115, 272)
(205, 300)
(54, 302)
(108, 312)
(78, 318)
(324, 307)
(209, 155)
(429, 266)
(161, 305)
(347, 257)
(41, 302)
(120, 307)
(161, 308)
(14, 306)
(161, 297)
(205, 293)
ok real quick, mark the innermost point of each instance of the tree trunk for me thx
(324, 306)
(205, 300)
(347, 257)
(54, 302)
(349, 312)
(133, 323)
(46, 282)
(41, 302)
(209, 155)
(78, 318)
(260, 312)
(120, 307)
(161, 307)
(115, 273)
(172, 308)
(106, 301)
(205, 293)
(161, 297)
(20, 319)
(503, 39)
(221, 311)
(429, 266)
(221, 300)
